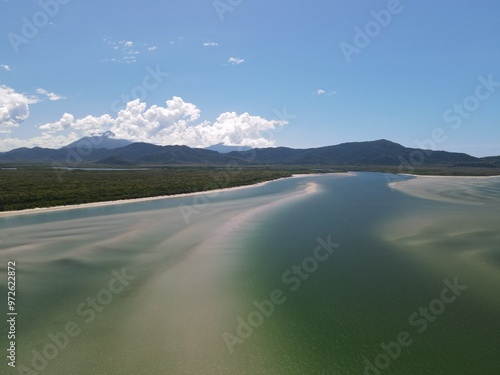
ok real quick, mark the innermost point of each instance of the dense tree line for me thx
(31, 187)
(42, 187)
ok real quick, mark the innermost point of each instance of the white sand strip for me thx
(136, 200)
(457, 189)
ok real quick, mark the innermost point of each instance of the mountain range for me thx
(106, 140)
(105, 150)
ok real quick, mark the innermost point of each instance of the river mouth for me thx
(312, 275)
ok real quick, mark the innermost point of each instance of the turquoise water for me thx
(222, 293)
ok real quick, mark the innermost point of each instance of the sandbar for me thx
(136, 200)
(456, 189)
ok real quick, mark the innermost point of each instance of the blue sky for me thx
(260, 73)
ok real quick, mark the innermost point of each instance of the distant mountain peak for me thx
(108, 150)
(106, 134)
(224, 149)
(104, 140)
(109, 134)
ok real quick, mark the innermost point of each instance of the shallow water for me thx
(188, 284)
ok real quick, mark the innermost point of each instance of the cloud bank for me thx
(176, 123)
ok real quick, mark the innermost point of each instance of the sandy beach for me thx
(137, 200)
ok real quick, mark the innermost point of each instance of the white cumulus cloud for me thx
(5, 67)
(174, 124)
(64, 123)
(235, 60)
(323, 92)
(126, 51)
(210, 44)
(14, 108)
(50, 95)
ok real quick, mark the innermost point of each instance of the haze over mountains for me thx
(106, 150)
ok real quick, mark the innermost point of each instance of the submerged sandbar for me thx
(472, 190)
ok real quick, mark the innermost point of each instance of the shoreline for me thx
(38, 210)
(395, 184)
(438, 188)
(42, 210)
(442, 176)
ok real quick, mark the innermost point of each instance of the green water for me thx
(188, 286)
